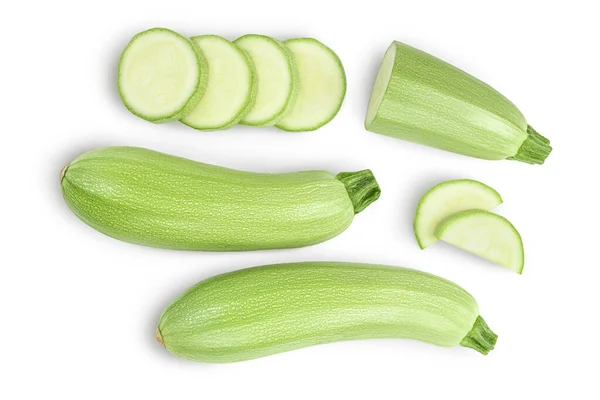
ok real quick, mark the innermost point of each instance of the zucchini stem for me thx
(534, 149)
(480, 337)
(362, 188)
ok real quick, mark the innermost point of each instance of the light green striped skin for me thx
(154, 199)
(260, 311)
(420, 98)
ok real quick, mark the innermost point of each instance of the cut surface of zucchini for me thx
(448, 198)
(277, 80)
(162, 75)
(322, 86)
(422, 99)
(231, 87)
(485, 234)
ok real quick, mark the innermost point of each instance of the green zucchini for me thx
(154, 199)
(485, 234)
(322, 86)
(276, 78)
(420, 98)
(447, 198)
(231, 87)
(259, 311)
(162, 75)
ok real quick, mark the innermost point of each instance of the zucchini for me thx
(485, 234)
(449, 198)
(162, 75)
(322, 86)
(260, 311)
(231, 88)
(422, 99)
(154, 199)
(276, 77)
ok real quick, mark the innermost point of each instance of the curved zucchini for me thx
(260, 311)
(154, 199)
(422, 99)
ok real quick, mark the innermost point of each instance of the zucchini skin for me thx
(431, 102)
(260, 311)
(154, 199)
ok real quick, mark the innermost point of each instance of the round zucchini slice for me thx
(277, 79)
(322, 86)
(162, 75)
(231, 88)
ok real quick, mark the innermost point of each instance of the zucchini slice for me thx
(162, 75)
(322, 86)
(231, 88)
(276, 78)
(485, 234)
(448, 198)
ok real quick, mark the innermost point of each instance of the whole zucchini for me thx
(422, 99)
(154, 199)
(260, 311)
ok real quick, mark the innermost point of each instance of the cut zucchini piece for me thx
(422, 99)
(231, 88)
(276, 79)
(448, 198)
(162, 75)
(322, 86)
(485, 234)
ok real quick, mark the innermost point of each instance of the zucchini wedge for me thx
(485, 234)
(448, 198)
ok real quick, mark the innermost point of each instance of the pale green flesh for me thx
(231, 87)
(322, 86)
(265, 310)
(161, 75)
(485, 234)
(448, 198)
(154, 199)
(381, 83)
(423, 99)
(276, 76)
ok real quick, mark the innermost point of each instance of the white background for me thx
(79, 309)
